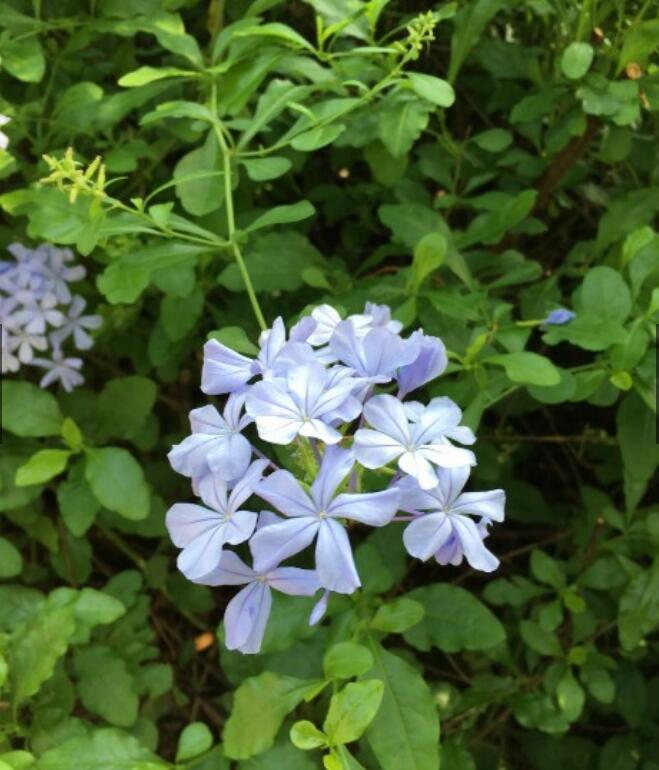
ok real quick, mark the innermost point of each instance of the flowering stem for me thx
(231, 224)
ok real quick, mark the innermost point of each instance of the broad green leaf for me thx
(29, 411)
(118, 482)
(494, 140)
(259, 707)
(587, 331)
(11, 561)
(405, 730)
(397, 616)
(77, 504)
(278, 31)
(547, 570)
(605, 293)
(640, 452)
(281, 215)
(472, 626)
(576, 60)
(178, 109)
(401, 122)
(282, 756)
(540, 639)
(432, 89)
(105, 686)
(179, 315)
(347, 659)
(352, 710)
(265, 169)
(101, 749)
(144, 75)
(469, 24)
(42, 466)
(195, 739)
(527, 367)
(36, 647)
(275, 99)
(124, 405)
(200, 195)
(306, 736)
(97, 608)
(24, 58)
(640, 41)
(570, 696)
(121, 283)
(429, 254)
(316, 138)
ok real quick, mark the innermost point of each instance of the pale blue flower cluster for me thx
(315, 388)
(38, 313)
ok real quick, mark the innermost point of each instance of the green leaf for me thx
(105, 686)
(104, 749)
(401, 123)
(306, 736)
(96, 608)
(178, 109)
(179, 315)
(429, 254)
(397, 616)
(24, 59)
(472, 626)
(590, 332)
(539, 639)
(77, 504)
(605, 293)
(405, 730)
(280, 215)
(124, 405)
(570, 696)
(121, 283)
(576, 60)
(42, 467)
(279, 31)
(526, 367)
(234, 337)
(316, 138)
(640, 42)
(495, 140)
(265, 169)
(118, 482)
(29, 411)
(259, 707)
(352, 710)
(36, 647)
(469, 24)
(199, 195)
(195, 739)
(282, 756)
(640, 452)
(347, 659)
(547, 570)
(11, 561)
(432, 89)
(144, 75)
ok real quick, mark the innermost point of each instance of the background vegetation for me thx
(475, 165)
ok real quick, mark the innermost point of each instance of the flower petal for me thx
(490, 504)
(447, 456)
(334, 561)
(373, 449)
(240, 527)
(419, 468)
(272, 544)
(472, 543)
(204, 553)
(246, 485)
(375, 509)
(282, 490)
(224, 370)
(335, 467)
(425, 536)
(246, 617)
(229, 458)
(186, 521)
(294, 581)
(231, 571)
(386, 414)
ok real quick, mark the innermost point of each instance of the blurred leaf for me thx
(347, 659)
(576, 60)
(29, 411)
(117, 480)
(351, 710)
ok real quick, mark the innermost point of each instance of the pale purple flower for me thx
(203, 531)
(318, 515)
(75, 324)
(226, 371)
(37, 314)
(60, 369)
(4, 139)
(319, 609)
(377, 354)
(25, 344)
(327, 319)
(246, 615)
(430, 363)
(418, 445)
(559, 317)
(302, 404)
(216, 445)
(448, 531)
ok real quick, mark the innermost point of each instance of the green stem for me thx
(583, 19)
(231, 223)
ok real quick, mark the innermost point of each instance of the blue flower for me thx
(247, 614)
(226, 371)
(203, 531)
(430, 363)
(559, 317)
(318, 515)
(303, 403)
(216, 445)
(447, 530)
(418, 439)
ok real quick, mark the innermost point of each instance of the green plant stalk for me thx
(231, 223)
(583, 19)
